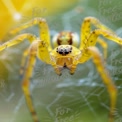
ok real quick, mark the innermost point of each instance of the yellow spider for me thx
(67, 53)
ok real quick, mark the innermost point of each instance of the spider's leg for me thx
(99, 62)
(17, 40)
(44, 55)
(73, 68)
(23, 62)
(86, 29)
(104, 46)
(43, 27)
(27, 77)
(92, 39)
(94, 35)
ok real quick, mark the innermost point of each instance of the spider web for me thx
(78, 98)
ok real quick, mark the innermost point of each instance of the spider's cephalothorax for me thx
(65, 43)
(65, 56)
(65, 38)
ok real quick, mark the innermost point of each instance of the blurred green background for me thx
(78, 98)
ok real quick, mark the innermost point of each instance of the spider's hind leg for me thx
(26, 80)
(97, 59)
(23, 62)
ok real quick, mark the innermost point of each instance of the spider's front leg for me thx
(94, 35)
(86, 29)
(92, 39)
(43, 29)
(99, 62)
(18, 39)
(46, 57)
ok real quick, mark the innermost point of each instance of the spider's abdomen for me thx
(65, 38)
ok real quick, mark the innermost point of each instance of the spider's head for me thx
(65, 38)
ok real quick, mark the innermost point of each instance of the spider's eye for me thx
(64, 50)
(65, 38)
